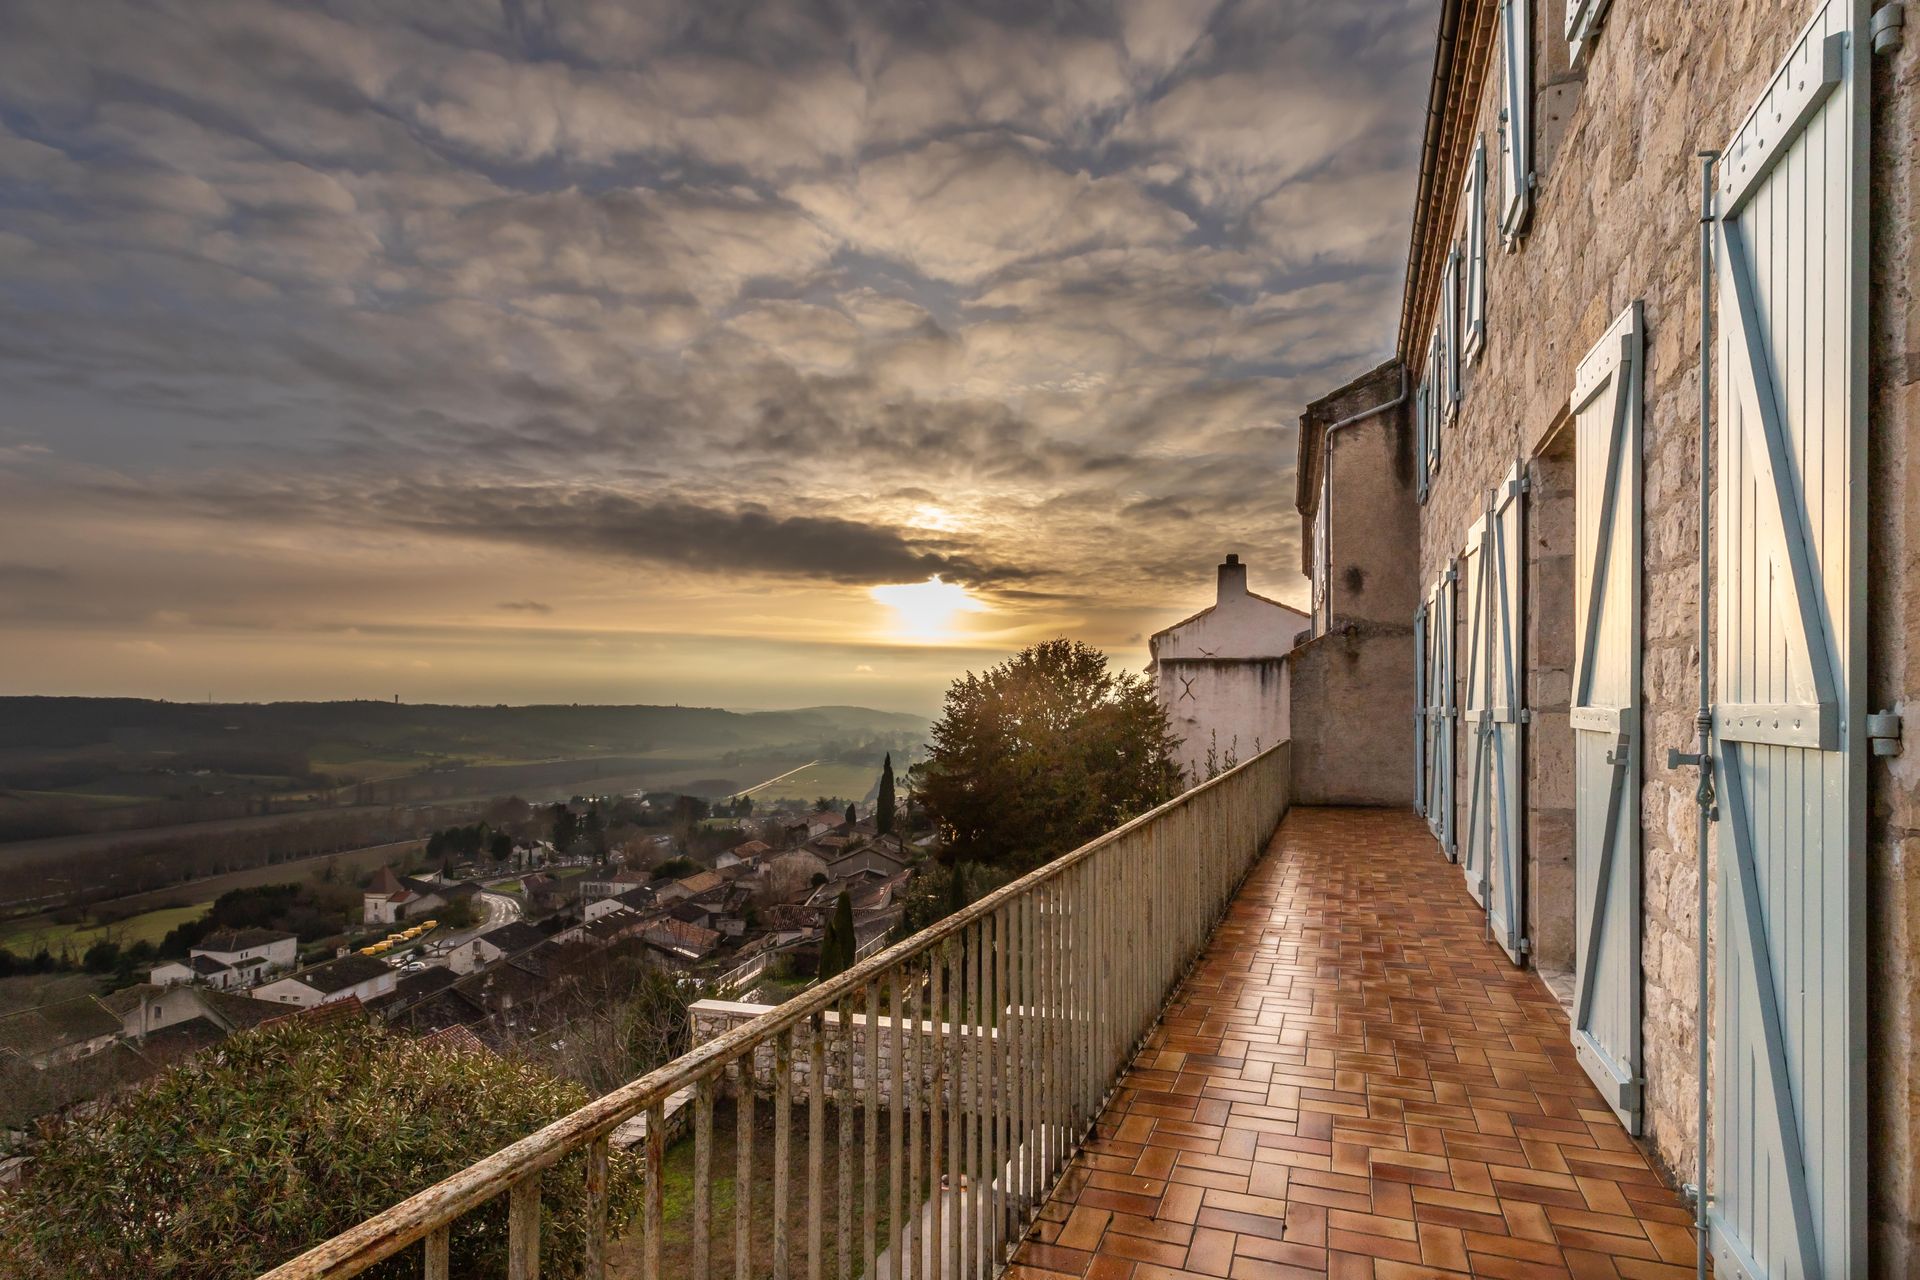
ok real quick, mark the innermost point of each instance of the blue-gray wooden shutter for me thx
(1438, 710)
(1583, 22)
(1503, 891)
(1789, 1142)
(1516, 117)
(1422, 665)
(1475, 671)
(1436, 396)
(1420, 431)
(1605, 715)
(1474, 336)
(1450, 333)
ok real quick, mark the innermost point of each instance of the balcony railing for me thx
(987, 1043)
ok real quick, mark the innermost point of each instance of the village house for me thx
(502, 940)
(612, 886)
(1221, 675)
(231, 960)
(389, 900)
(1654, 403)
(348, 978)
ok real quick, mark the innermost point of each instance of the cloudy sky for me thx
(633, 350)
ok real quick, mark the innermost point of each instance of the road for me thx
(500, 909)
(770, 781)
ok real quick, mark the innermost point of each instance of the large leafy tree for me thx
(1044, 752)
(235, 1162)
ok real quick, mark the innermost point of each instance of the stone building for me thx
(1222, 674)
(1505, 535)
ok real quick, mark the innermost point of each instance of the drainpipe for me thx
(1326, 481)
(1702, 757)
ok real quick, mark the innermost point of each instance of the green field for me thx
(848, 781)
(150, 926)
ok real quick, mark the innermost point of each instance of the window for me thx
(1583, 22)
(1516, 118)
(1474, 323)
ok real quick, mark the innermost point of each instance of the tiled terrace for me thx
(1354, 1083)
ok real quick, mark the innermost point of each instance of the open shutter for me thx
(1605, 715)
(1474, 850)
(1506, 689)
(1422, 665)
(1516, 117)
(1437, 684)
(1789, 1140)
(1420, 432)
(1583, 22)
(1437, 401)
(1450, 334)
(1474, 335)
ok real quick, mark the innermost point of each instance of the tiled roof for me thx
(338, 975)
(682, 938)
(516, 936)
(48, 1028)
(458, 1039)
(127, 999)
(241, 1011)
(231, 940)
(700, 882)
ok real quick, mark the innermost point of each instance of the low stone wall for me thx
(713, 1018)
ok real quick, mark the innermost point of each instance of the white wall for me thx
(1222, 675)
(1237, 708)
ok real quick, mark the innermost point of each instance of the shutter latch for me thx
(1888, 27)
(1883, 730)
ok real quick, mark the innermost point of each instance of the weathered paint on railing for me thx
(1035, 997)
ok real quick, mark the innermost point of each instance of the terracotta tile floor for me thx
(1355, 1084)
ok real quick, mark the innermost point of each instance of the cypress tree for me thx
(837, 945)
(883, 811)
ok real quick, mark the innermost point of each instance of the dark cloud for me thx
(1015, 293)
(30, 575)
(525, 606)
(748, 539)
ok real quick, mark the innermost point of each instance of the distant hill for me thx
(70, 765)
(499, 732)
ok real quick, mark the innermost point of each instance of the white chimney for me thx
(1233, 580)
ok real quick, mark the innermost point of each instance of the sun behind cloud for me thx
(925, 611)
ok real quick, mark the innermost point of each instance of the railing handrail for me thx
(412, 1219)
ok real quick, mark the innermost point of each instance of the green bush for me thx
(227, 1166)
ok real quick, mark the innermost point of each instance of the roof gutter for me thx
(1430, 146)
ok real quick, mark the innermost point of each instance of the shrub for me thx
(287, 1135)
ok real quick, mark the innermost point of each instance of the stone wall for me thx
(1615, 220)
(712, 1018)
(1353, 716)
(1893, 663)
(1549, 737)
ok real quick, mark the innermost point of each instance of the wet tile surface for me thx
(1354, 1083)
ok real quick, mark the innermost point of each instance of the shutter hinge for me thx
(1526, 715)
(1451, 575)
(1888, 27)
(1884, 733)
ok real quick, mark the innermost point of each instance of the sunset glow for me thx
(926, 611)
